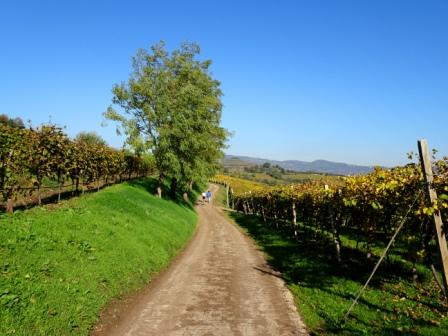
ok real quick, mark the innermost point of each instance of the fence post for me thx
(294, 218)
(425, 159)
(9, 205)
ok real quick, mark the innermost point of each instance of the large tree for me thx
(172, 107)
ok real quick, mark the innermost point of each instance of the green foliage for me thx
(15, 123)
(47, 148)
(326, 241)
(371, 205)
(28, 156)
(59, 266)
(272, 174)
(174, 108)
(91, 138)
(12, 157)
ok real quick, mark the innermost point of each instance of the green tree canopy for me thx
(91, 138)
(172, 107)
(16, 122)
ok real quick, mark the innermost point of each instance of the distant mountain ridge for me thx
(318, 166)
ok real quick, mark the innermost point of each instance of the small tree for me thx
(91, 138)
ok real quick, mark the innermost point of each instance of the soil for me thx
(220, 284)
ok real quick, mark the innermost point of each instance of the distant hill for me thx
(318, 166)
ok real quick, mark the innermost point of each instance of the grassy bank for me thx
(60, 264)
(392, 305)
(221, 197)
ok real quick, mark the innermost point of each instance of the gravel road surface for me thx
(219, 285)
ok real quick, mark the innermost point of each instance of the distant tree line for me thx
(274, 171)
(11, 122)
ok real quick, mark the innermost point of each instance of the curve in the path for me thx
(221, 285)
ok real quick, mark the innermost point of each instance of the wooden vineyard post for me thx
(9, 205)
(227, 195)
(294, 218)
(425, 159)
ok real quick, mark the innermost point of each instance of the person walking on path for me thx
(209, 196)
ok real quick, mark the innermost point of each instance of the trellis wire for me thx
(382, 256)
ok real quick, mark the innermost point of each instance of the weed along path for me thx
(219, 285)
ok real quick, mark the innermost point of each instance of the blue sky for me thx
(349, 81)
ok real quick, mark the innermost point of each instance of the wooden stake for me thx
(227, 195)
(59, 192)
(425, 159)
(294, 218)
(9, 205)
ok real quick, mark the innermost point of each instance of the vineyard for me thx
(326, 238)
(370, 207)
(37, 158)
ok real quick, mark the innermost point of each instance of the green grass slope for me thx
(60, 265)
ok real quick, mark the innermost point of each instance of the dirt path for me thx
(220, 285)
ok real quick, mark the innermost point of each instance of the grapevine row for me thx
(370, 206)
(29, 156)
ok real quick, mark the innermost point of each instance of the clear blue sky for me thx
(351, 81)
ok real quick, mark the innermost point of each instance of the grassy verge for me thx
(393, 304)
(59, 265)
(221, 197)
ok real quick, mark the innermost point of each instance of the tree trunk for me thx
(159, 187)
(173, 188)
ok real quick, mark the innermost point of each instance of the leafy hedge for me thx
(28, 156)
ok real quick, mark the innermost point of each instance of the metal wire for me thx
(382, 257)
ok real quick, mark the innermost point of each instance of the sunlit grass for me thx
(59, 265)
